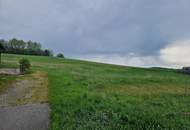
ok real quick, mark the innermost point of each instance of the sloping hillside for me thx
(87, 95)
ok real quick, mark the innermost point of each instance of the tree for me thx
(1, 49)
(13, 43)
(15, 46)
(48, 52)
(21, 45)
(34, 46)
(60, 55)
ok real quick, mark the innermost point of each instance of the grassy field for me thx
(92, 96)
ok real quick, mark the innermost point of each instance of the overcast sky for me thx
(127, 32)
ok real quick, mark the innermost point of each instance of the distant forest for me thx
(15, 46)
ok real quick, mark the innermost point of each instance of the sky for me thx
(142, 33)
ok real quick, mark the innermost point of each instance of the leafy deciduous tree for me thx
(1, 49)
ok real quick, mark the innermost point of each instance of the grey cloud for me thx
(78, 27)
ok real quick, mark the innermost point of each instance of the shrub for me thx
(24, 65)
(60, 55)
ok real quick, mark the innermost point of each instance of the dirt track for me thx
(23, 106)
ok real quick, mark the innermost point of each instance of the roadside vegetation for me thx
(4, 81)
(24, 65)
(87, 95)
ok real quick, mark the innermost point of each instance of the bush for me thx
(24, 65)
(60, 55)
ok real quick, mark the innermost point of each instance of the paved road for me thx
(25, 117)
(31, 90)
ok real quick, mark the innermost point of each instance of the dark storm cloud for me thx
(142, 27)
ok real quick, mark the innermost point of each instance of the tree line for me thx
(15, 46)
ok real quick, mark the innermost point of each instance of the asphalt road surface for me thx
(24, 117)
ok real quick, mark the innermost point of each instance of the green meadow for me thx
(93, 96)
